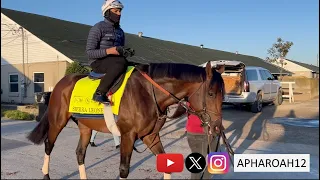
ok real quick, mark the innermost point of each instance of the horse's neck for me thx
(180, 89)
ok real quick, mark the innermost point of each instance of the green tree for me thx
(76, 67)
(278, 52)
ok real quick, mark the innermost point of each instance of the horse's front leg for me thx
(85, 134)
(126, 148)
(156, 147)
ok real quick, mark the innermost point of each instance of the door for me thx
(266, 85)
(274, 87)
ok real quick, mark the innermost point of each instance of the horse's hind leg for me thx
(54, 130)
(49, 144)
(85, 134)
(126, 148)
(155, 145)
(46, 159)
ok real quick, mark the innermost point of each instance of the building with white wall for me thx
(28, 64)
(299, 68)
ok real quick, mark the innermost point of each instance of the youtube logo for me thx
(170, 163)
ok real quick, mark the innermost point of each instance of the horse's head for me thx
(203, 87)
(208, 98)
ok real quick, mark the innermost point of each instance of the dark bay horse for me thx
(142, 109)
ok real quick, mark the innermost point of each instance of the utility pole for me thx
(317, 60)
(23, 65)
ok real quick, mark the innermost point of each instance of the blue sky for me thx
(247, 26)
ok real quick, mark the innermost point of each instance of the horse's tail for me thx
(40, 132)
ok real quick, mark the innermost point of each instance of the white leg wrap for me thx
(122, 178)
(82, 172)
(110, 121)
(45, 167)
(166, 176)
(116, 140)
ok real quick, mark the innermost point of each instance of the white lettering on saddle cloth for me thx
(88, 110)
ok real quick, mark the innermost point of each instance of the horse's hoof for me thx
(46, 176)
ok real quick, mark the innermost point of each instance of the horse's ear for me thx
(209, 70)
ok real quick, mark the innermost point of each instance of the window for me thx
(263, 75)
(252, 75)
(13, 83)
(268, 74)
(38, 82)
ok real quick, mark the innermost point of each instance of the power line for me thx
(45, 37)
(10, 37)
(7, 24)
(11, 27)
(28, 43)
(5, 35)
(10, 41)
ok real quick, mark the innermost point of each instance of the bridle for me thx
(203, 114)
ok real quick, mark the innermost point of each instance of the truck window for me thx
(251, 75)
(268, 74)
(263, 75)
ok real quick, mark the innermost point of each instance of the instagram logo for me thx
(218, 163)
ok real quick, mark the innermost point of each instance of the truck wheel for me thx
(278, 101)
(257, 105)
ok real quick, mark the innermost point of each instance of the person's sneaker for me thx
(101, 98)
(92, 144)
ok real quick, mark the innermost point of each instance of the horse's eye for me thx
(211, 94)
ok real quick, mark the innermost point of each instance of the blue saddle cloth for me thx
(94, 75)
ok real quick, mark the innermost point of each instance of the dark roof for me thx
(70, 39)
(308, 66)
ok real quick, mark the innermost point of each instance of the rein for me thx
(202, 114)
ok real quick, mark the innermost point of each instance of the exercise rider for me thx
(107, 55)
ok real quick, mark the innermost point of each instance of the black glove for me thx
(125, 51)
(120, 50)
(131, 51)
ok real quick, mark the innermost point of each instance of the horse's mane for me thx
(185, 72)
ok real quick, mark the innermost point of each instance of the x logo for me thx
(195, 163)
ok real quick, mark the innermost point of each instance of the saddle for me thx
(118, 82)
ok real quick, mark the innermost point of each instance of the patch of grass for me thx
(18, 115)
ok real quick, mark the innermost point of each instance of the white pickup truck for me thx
(249, 85)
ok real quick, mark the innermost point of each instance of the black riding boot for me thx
(101, 97)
